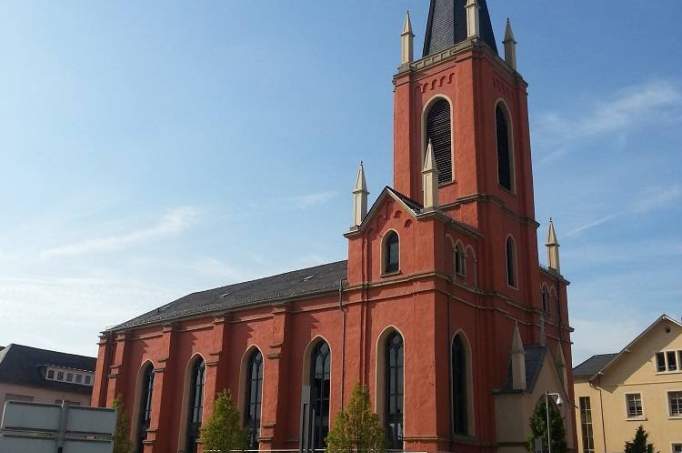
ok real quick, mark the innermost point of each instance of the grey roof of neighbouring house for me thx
(24, 365)
(447, 26)
(295, 284)
(593, 365)
(535, 357)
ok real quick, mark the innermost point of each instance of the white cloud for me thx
(592, 224)
(633, 107)
(311, 200)
(657, 197)
(648, 200)
(172, 223)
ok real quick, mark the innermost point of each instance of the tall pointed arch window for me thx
(511, 262)
(504, 155)
(146, 394)
(460, 399)
(254, 397)
(394, 362)
(439, 133)
(460, 263)
(545, 301)
(391, 253)
(196, 404)
(316, 395)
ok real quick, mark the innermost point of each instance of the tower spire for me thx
(553, 248)
(518, 359)
(509, 45)
(430, 179)
(473, 19)
(447, 25)
(360, 194)
(407, 41)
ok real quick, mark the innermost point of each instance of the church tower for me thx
(471, 106)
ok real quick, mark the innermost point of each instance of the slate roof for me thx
(535, 357)
(299, 283)
(24, 365)
(447, 26)
(412, 204)
(593, 365)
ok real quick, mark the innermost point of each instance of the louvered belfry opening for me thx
(439, 131)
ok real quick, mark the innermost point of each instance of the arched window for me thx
(394, 391)
(254, 397)
(316, 399)
(545, 301)
(145, 417)
(439, 132)
(196, 404)
(391, 253)
(460, 265)
(460, 400)
(511, 262)
(504, 156)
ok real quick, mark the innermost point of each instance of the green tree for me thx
(122, 443)
(357, 428)
(538, 428)
(639, 444)
(223, 432)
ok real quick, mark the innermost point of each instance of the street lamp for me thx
(557, 400)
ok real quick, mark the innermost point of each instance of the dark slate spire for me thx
(447, 25)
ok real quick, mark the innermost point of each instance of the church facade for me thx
(442, 309)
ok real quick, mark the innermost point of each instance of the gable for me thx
(637, 362)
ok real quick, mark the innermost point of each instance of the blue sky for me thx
(150, 149)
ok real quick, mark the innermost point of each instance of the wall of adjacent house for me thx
(39, 395)
(635, 372)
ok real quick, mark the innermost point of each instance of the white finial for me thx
(407, 42)
(360, 197)
(553, 248)
(518, 357)
(430, 179)
(473, 19)
(509, 46)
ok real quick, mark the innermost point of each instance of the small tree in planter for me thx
(223, 432)
(357, 428)
(538, 428)
(122, 443)
(639, 443)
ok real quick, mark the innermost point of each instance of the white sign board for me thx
(49, 428)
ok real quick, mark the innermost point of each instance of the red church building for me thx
(442, 309)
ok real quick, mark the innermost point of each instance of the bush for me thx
(222, 431)
(122, 443)
(639, 443)
(538, 428)
(357, 428)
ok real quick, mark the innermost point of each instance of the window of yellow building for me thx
(634, 405)
(675, 400)
(586, 424)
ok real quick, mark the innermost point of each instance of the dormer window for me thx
(391, 253)
(69, 376)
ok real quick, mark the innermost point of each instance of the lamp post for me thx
(557, 400)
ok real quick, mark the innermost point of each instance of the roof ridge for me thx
(51, 351)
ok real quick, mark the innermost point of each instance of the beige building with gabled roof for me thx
(641, 385)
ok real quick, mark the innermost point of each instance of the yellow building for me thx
(641, 385)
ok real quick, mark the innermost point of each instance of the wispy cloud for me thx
(657, 197)
(649, 199)
(312, 200)
(592, 224)
(630, 108)
(172, 223)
